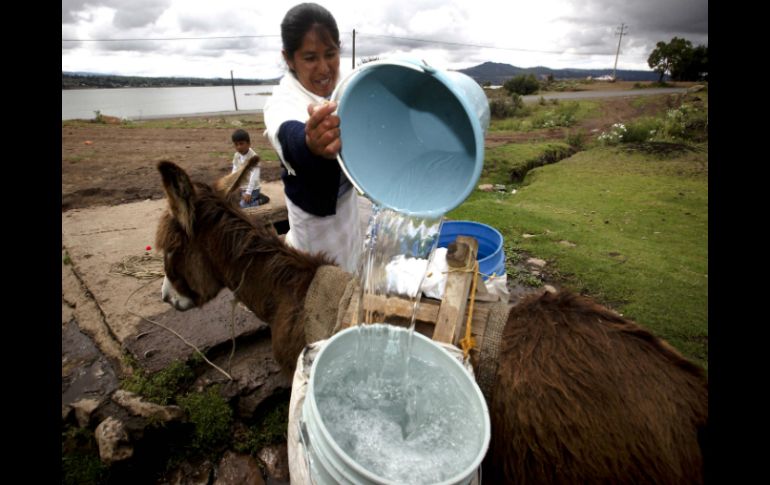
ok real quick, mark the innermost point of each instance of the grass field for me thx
(626, 224)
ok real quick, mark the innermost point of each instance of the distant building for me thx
(606, 77)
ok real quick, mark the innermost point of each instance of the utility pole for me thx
(232, 82)
(620, 32)
(354, 50)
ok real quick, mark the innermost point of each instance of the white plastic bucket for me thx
(412, 136)
(329, 463)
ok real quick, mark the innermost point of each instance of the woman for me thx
(321, 202)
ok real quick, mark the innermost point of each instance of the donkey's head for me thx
(185, 234)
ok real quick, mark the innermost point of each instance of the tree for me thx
(678, 59)
(694, 65)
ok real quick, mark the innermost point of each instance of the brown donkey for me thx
(583, 395)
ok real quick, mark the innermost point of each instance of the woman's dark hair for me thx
(301, 19)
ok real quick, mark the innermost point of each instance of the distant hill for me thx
(497, 73)
(83, 80)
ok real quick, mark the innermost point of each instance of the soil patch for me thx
(118, 165)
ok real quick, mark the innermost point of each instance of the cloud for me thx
(552, 33)
(128, 15)
(138, 13)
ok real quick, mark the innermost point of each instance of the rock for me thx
(188, 473)
(500, 187)
(527, 236)
(66, 412)
(539, 263)
(155, 348)
(513, 191)
(550, 289)
(567, 243)
(487, 188)
(139, 407)
(276, 460)
(86, 372)
(257, 376)
(112, 438)
(238, 469)
(84, 408)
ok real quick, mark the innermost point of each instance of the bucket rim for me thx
(310, 400)
(338, 95)
(476, 223)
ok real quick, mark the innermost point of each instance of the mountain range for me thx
(497, 73)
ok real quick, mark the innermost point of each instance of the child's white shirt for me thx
(238, 161)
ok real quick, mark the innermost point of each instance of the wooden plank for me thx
(427, 310)
(461, 257)
(392, 305)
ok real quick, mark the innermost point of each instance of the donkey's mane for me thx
(228, 231)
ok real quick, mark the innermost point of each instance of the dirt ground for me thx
(105, 164)
(110, 164)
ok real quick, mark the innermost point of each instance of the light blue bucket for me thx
(412, 136)
(330, 464)
(491, 254)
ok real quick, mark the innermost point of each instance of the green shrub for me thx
(522, 84)
(577, 139)
(642, 130)
(561, 115)
(614, 136)
(501, 108)
(687, 122)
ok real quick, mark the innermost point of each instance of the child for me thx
(250, 191)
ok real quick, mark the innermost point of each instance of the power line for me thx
(172, 38)
(483, 46)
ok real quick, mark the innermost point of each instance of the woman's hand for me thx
(322, 132)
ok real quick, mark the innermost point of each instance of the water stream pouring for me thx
(412, 136)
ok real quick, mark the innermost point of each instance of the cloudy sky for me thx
(215, 37)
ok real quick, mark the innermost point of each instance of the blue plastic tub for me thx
(491, 254)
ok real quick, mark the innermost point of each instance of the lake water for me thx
(141, 103)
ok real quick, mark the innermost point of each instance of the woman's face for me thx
(316, 64)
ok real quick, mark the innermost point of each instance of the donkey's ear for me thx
(180, 194)
(232, 182)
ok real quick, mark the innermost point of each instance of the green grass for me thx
(269, 429)
(163, 386)
(80, 463)
(640, 228)
(212, 416)
(564, 113)
(247, 122)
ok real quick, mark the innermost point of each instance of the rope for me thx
(468, 342)
(142, 267)
(464, 270)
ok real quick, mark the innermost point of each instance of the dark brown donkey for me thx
(583, 395)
